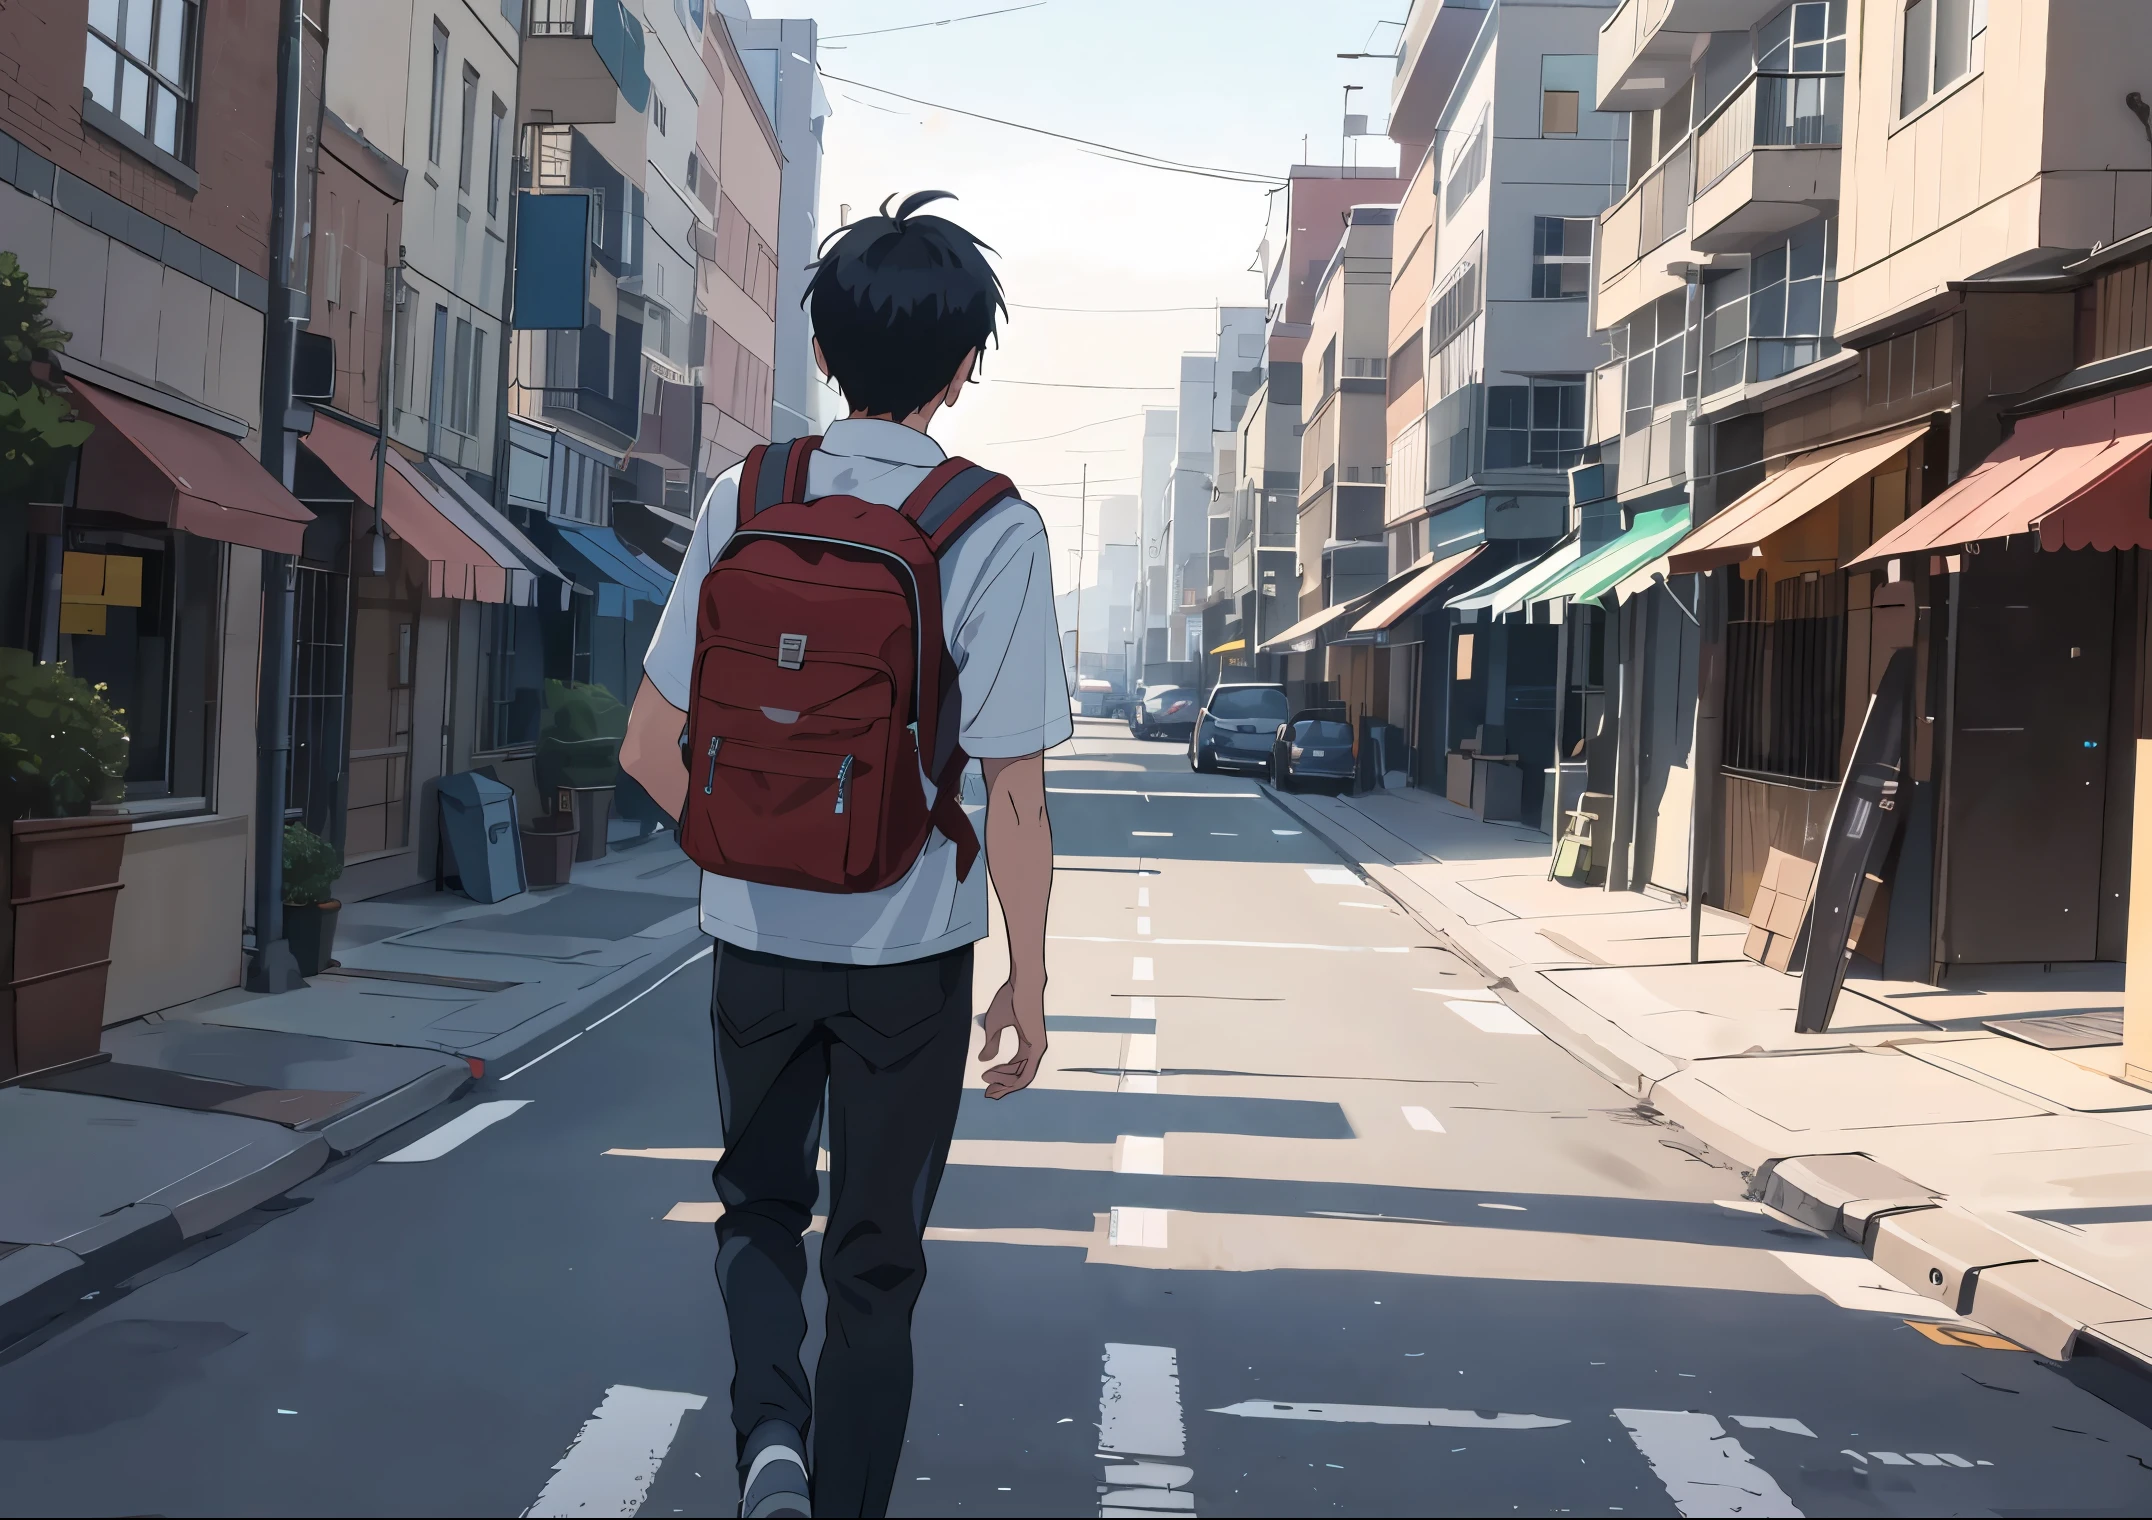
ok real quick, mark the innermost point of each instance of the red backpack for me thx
(822, 684)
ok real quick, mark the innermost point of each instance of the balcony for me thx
(1767, 160)
(1636, 227)
(1648, 47)
(581, 59)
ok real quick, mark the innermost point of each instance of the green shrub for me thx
(63, 747)
(579, 742)
(37, 426)
(311, 866)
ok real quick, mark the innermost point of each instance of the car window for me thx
(1318, 731)
(1158, 699)
(1250, 702)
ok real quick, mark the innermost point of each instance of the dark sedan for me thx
(1166, 712)
(1314, 748)
(1235, 727)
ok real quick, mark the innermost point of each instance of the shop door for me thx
(1665, 795)
(384, 644)
(317, 698)
(2028, 764)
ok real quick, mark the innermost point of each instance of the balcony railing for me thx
(1770, 111)
(560, 18)
(1655, 212)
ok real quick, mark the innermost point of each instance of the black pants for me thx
(888, 1042)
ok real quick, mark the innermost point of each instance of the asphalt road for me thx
(1301, 1220)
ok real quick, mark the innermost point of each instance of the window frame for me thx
(437, 107)
(467, 152)
(1543, 262)
(182, 86)
(1974, 55)
(494, 146)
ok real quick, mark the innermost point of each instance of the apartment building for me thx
(1213, 394)
(1154, 516)
(147, 215)
(780, 58)
(1892, 279)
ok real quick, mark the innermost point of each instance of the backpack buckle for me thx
(791, 651)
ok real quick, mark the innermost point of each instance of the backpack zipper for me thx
(844, 782)
(710, 780)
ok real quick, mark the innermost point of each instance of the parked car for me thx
(1236, 726)
(1315, 747)
(1166, 712)
(1095, 698)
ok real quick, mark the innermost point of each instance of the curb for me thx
(1912, 1232)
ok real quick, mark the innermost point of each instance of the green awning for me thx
(1598, 572)
(1519, 587)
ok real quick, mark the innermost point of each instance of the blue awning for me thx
(620, 576)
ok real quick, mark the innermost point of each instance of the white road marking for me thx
(1891, 1459)
(1491, 1018)
(623, 1008)
(1139, 1402)
(1420, 1118)
(1333, 876)
(1138, 1227)
(1228, 944)
(1389, 1414)
(609, 1467)
(1507, 1208)
(1222, 834)
(1144, 1155)
(1122, 791)
(1288, 833)
(1143, 925)
(1150, 1475)
(457, 1130)
(677, 1153)
(1705, 1470)
(1150, 834)
(1465, 994)
(1143, 897)
(1143, 1007)
(1141, 972)
(1142, 1053)
(1347, 902)
(1791, 1427)
(1855, 1282)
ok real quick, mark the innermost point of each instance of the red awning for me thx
(151, 465)
(2081, 475)
(458, 566)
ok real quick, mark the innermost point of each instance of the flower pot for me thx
(592, 808)
(549, 847)
(63, 884)
(310, 930)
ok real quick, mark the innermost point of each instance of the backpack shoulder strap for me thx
(763, 485)
(953, 497)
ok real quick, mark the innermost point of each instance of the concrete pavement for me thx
(1302, 1215)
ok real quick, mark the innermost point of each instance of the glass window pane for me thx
(134, 98)
(1576, 279)
(1808, 21)
(1953, 38)
(1919, 32)
(1546, 406)
(1573, 406)
(1577, 237)
(1804, 253)
(1804, 307)
(98, 63)
(164, 130)
(169, 31)
(1767, 312)
(1771, 42)
(134, 28)
(1506, 406)
(105, 16)
(1769, 268)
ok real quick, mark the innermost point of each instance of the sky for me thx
(1232, 84)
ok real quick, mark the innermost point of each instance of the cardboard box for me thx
(1796, 877)
(1779, 955)
(1787, 911)
(1759, 940)
(1760, 909)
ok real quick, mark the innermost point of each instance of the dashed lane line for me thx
(609, 1467)
(473, 1120)
(1707, 1471)
(1389, 1414)
(1139, 1425)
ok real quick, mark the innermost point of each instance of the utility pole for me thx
(1344, 113)
(273, 969)
(1083, 529)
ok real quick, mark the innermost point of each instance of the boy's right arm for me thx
(651, 751)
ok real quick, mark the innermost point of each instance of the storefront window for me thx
(139, 615)
(523, 648)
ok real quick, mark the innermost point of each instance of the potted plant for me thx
(311, 866)
(578, 759)
(63, 749)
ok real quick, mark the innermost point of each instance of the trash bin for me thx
(478, 824)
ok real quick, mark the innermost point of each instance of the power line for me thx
(1109, 311)
(1079, 428)
(1124, 155)
(1072, 385)
(918, 26)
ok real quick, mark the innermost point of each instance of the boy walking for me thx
(857, 616)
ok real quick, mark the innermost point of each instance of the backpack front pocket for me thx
(788, 817)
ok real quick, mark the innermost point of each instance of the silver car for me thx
(1236, 727)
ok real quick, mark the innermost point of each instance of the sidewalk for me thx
(2032, 1212)
(212, 1108)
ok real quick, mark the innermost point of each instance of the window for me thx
(1654, 373)
(1793, 299)
(139, 64)
(1558, 113)
(1786, 676)
(1805, 38)
(157, 659)
(475, 393)
(1330, 368)
(459, 393)
(1538, 425)
(470, 129)
(1561, 257)
(1725, 339)
(657, 113)
(1945, 40)
(694, 174)
(494, 152)
(1466, 170)
(437, 101)
(1458, 304)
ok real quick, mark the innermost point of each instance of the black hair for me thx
(897, 301)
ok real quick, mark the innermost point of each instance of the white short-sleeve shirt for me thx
(998, 620)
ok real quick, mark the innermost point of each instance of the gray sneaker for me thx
(773, 1474)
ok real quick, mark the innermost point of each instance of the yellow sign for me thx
(89, 583)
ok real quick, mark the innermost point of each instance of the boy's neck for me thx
(917, 422)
